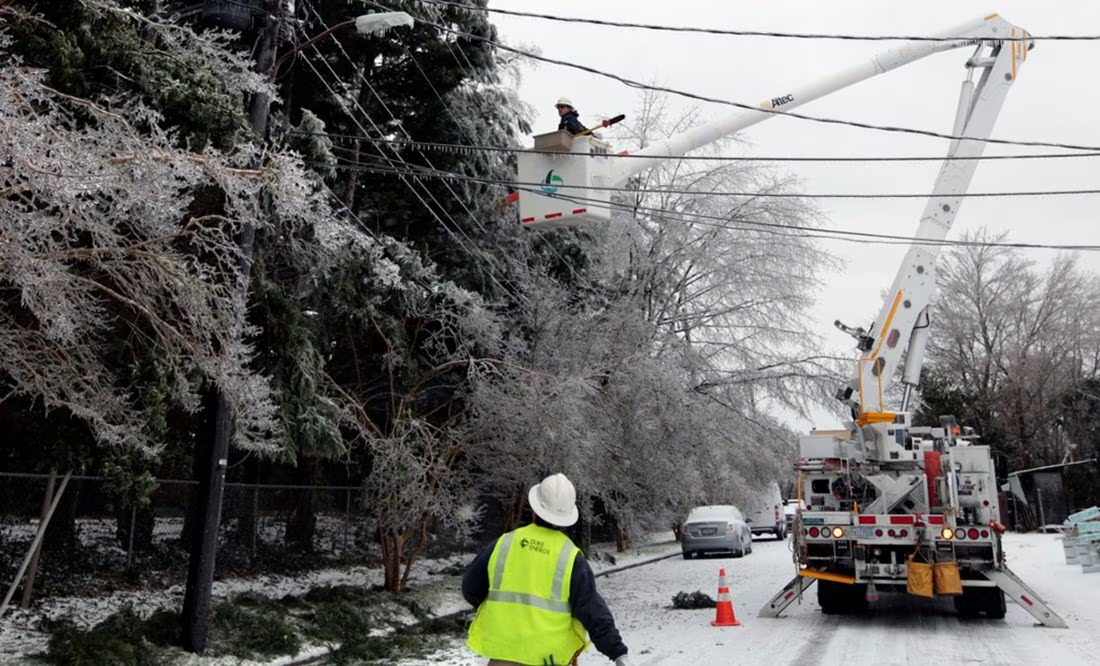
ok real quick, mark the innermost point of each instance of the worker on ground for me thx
(569, 119)
(535, 593)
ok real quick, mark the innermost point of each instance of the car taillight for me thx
(947, 533)
(878, 532)
(972, 533)
(731, 526)
(814, 531)
(903, 533)
(891, 532)
(985, 534)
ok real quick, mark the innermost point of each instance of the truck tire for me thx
(829, 597)
(965, 604)
(976, 600)
(841, 598)
(994, 603)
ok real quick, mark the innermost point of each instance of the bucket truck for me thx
(878, 492)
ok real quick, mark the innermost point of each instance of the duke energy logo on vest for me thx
(551, 183)
(535, 545)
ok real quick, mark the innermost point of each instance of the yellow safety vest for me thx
(527, 618)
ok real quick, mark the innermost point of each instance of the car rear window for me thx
(723, 512)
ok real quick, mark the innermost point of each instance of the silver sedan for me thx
(717, 528)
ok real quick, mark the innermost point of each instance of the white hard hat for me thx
(555, 500)
(564, 101)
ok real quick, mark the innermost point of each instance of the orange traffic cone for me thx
(725, 616)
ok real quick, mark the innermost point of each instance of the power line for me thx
(779, 195)
(442, 211)
(460, 147)
(749, 33)
(802, 231)
(749, 107)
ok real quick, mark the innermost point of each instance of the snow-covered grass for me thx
(901, 630)
(434, 585)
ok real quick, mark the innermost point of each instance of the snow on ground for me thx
(20, 634)
(901, 630)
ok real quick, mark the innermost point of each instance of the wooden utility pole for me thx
(212, 447)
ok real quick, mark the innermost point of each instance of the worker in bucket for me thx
(569, 119)
(535, 593)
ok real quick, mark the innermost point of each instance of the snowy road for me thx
(901, 630)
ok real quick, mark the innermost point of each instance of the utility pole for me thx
(212, 446)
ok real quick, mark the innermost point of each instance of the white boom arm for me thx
(992, 27)
(902, 325)
(565, 196)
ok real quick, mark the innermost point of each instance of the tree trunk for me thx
(392, 541)
(622, 539)
(301, 523)
(61, 541)
(583, 535)
(138, 521)
(242, 506)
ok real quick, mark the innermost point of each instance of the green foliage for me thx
(315, 146)
(253, 626)
(96, 53)
(692, 600)
(129, 480)
(118, 640)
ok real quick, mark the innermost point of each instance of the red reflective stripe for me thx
(1027, 601)
(624, 152)
(935, 520)
(901, 520)
(552, 215)
(528, 219)
(580, 210)
(868, 520)
(788, 596)
(512, 197)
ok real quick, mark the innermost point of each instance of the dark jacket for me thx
(571, 121)
(587, 604)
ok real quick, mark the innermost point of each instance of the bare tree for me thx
(647, 377)
(1015, 341)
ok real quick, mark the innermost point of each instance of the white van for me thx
(765, 513)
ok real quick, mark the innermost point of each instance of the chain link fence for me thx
(94, 531)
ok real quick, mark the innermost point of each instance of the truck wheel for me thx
(857, 599)
(994, 605)
(830, 597)
(967, 604)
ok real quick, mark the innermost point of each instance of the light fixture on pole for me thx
(368, 24)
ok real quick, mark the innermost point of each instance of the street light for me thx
(367, 24)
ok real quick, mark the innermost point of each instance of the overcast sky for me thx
(1054, 99)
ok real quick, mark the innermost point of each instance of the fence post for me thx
(42, 525)
(32, 571)
(255, 515)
